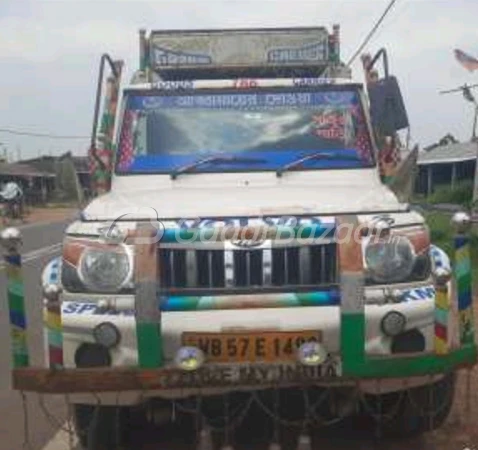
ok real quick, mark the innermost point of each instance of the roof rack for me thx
(241, 53)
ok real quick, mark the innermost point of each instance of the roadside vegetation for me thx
(461, 195)
(441, 230)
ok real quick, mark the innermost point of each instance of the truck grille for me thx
(247, 269)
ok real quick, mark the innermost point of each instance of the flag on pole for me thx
(467, 61)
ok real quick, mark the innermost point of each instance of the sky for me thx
(50, 51)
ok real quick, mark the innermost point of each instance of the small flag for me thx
(466, 61)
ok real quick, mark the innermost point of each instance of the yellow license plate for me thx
(266, 346)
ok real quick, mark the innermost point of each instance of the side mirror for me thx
(387, 108)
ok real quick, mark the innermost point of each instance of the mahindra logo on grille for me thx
(247, 243)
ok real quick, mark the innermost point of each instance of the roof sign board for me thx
(239, 48)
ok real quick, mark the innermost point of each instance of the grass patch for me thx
(461, 195)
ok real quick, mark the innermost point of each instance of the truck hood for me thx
(205, 197)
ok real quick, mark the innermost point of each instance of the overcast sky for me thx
(49, 54)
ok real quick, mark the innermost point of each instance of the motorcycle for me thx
(11, 199)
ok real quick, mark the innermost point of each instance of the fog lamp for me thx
(312, 354)
(107, 334)
(393, 323)
(189, 358)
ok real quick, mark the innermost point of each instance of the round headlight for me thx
(189, 358)
(390, 260)
(105, 270)
(312, 354)
(106, 334)
(393, 323)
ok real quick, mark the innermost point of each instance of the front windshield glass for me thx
(163, 132)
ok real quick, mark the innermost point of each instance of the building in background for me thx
(37, 185)
(47, 178)
(51, 164)
(445, 165)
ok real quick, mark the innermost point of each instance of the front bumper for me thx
(81, 314)
(351, 333)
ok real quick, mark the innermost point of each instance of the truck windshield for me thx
(161, 133)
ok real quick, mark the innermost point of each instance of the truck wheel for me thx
(417, 410)
(101, 427)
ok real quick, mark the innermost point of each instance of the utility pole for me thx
(468, 96)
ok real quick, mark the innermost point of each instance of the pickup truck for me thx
(245, 240)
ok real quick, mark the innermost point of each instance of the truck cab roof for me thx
(258, 53)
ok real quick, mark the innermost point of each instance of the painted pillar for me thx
(453, 176)
(11, 241)
(463, 277)
(147, 312)
(442, 310)
(101, 177)
(429, 180)
(51, 292)
(352, 309)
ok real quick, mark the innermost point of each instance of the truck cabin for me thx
(285, 103)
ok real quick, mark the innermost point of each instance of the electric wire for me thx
(44, 135)
(372, 32)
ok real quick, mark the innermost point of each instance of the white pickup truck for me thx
(281, 260)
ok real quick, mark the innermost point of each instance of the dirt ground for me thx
(460, 431)
(43, 215)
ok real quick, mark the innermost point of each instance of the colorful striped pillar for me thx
(463, 279)
(442, 308)
(52, 292)
(352, 308)
(147, 312)
(11, 241)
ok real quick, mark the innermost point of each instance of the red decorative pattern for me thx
(126, 148)
(362, 142)
(390, 158)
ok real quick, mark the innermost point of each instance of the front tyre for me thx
(414, 411)
(101, 427)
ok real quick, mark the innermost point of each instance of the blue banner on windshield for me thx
(271, 160)
(245, 101)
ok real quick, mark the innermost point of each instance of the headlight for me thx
(390, 260)
(105, 269)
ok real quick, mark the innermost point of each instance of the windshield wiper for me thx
(314, 156)
(215, 160)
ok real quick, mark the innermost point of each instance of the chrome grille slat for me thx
(231, 267)
(211, 268)
(191, 272)
(248, 268)
(267, 266)
(171, 265)
(322, 264)
(304, 265)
